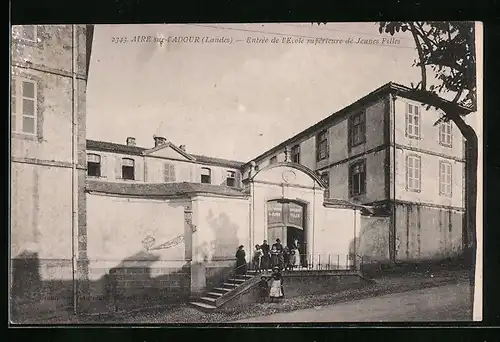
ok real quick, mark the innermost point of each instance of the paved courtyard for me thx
(443, 303)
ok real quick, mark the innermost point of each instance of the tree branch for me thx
(423, 71)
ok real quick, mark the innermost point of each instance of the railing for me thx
(317, 262)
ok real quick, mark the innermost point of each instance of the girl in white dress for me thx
(276, 292)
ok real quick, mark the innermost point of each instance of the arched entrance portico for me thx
(287, 202)
(286, 220)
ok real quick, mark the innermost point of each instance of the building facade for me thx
(385, 151)
(99, 226)
(48, 166)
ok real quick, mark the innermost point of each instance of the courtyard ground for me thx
(383, 285)
(441, 303)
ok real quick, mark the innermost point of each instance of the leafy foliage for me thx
(448, 49)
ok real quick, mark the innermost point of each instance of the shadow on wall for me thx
(223, 248)
(133, 283)
(372, 244)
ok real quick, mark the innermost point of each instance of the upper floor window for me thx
(357, 178)
(322, 146)
(26, 32)
(169, 173)
(413, 173)
(445, 178)
(325, 178)
(357, 129)
(445, 133)
(412, 121)
(206, 175)
(231, 178)
(273, 160)
(23, 106)
(128, 169)
(296, 154)
(94, 165)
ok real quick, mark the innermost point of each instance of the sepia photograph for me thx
(244, 174)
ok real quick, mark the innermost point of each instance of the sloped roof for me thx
(161, 189)
(105, 146)
(390, 87)
(218, 161)
(113, 147)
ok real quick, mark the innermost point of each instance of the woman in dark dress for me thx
(266, 258)
(241, 261)
(274, 257)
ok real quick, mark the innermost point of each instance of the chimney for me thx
(130, 141)
(159, 140)
(183, 147)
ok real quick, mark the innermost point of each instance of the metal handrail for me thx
(325, 262)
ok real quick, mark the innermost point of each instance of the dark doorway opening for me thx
(286, 221)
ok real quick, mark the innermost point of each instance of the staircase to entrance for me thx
(237, 283)
(230, 288)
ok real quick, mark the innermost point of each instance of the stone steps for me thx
(203, 306)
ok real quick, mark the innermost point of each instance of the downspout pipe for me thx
(393, 109)
(74, 174)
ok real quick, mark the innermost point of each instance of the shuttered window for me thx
(169, 172)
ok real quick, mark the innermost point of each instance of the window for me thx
(26, 32)
(128, 169)
(413, 173)
(322, 146)
(231, 178)
(445, 133)
(325, 178)
(169, 173)
(273, 160)
(23, 106)
(357, 178)
(412, 121)
(206, 175)
(357, 129)
(444, 178)
(94, 165)
(296, 154)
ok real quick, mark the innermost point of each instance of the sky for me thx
(233, 100)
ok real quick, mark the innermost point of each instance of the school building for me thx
(93, 221)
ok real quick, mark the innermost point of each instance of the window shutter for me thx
(238, 179)
(104, 162)
(166, 172)
(138, 170)
(118, 168)
(172, 173)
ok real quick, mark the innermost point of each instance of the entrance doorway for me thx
(286, 221)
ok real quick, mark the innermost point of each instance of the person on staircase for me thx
(265, 262)
(274, 257)
(257, 259)
(241, 261)
(279, 248)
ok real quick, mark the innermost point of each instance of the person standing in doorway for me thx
(279, 248)
(294, 257)
(286, 258)
(241, 261)
(274, 257)
(265, 262)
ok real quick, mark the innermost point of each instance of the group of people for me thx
(277, 258)
(273, 290)
(267, 257)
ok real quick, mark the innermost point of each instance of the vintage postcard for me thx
(246, 173)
